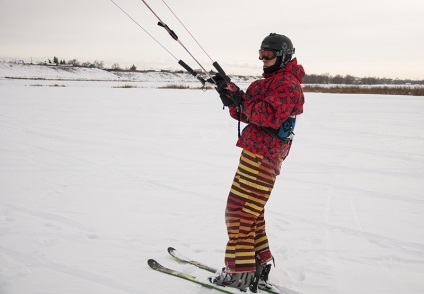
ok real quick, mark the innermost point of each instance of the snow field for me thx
(95, 180)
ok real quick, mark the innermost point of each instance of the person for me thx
(269, 108)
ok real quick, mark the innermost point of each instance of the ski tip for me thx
(152, 263)
(171, 250)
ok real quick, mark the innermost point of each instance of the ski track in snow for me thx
(95, 180)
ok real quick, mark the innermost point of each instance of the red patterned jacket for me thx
(269, 102)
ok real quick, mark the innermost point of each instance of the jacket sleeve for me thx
(273, 108)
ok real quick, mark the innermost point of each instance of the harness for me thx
(285, 131)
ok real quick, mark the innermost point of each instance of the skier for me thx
(269, 107)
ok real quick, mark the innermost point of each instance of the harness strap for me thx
(285, 131)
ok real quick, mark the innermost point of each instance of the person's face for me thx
(268, 57)
(268, 63)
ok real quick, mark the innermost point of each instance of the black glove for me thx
(224, 94)
(237, 95)
(231, 91)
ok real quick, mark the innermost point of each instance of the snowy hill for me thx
(96, 180)
(72, 74)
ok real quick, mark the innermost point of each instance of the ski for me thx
(160, 268)
(174, 253)
(181, 258)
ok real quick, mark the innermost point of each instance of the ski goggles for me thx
(267, 54)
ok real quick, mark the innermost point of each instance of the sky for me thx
(373, 38)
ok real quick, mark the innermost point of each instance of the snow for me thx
(96, 180)
(68, 75)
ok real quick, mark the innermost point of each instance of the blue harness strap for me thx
(286, 129)
(285, 132)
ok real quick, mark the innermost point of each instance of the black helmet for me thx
(280, 44)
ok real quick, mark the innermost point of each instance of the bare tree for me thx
(99, 63)
(74, 62)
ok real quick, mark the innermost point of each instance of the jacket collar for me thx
(291, 67)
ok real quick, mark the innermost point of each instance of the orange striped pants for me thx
(244, 214)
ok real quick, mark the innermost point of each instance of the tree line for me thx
(351, 80)
(96, 64)
(309, 78)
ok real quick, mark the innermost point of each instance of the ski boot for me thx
(240, 281)
(263, 278)
(262, 273)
